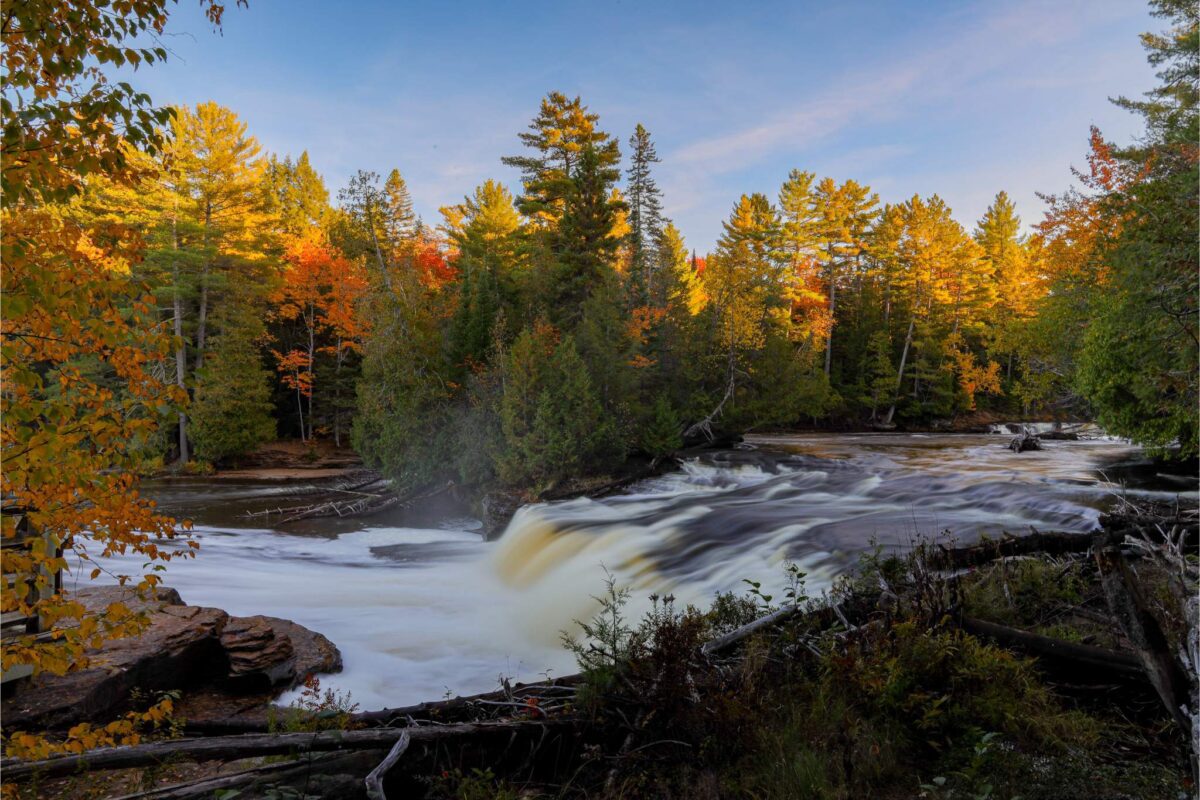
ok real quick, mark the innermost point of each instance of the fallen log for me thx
(975, 555)
(1083, 659)
(749, 629)
(455, 709)
(228, 748)
(278, 772)
(1154, 655)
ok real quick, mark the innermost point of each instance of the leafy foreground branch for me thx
(916, 677)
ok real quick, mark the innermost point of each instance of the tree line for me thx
(531, 337)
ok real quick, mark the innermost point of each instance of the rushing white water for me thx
(421, 611)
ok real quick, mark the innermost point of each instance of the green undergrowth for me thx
(902, 705)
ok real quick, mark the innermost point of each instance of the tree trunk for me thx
(300, 408)
(312, 366)
(900, 376)
(202, 316)
(337, 397)
(832, 315)
(180, 348)
(1132, 613)
(202, 319)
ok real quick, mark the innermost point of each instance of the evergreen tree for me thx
(847, 212)
(645, 209)
(1138, 362)
(583, 244)
(295, 194)
(399, 221)
(559, 135)
(880, 375)
(222, 179)
(662, 430)
(231, 413)
(682, 291)
(568, 431)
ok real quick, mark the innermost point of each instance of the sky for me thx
(957, 98)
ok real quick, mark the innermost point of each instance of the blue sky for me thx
(958, 98)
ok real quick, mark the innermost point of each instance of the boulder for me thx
(188, 648)
(496, 510)
(180, 648)
(266, 652)
(256, 653)
(313, 653)
(1026, 441)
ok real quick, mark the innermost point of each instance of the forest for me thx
(175, 297)
(530, 336)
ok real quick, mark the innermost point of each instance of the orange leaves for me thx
(322, 290)
(322, 286)
(434, 269)
(295, 368)
(78, 396)
(810, 315)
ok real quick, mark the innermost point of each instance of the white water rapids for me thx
(421, 611)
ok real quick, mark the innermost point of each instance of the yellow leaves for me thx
(128, 730)
(972, 377)
(66, 431)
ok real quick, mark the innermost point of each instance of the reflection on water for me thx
(419, 608)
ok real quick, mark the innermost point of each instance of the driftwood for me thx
(467, 707)
(1059, 436)
(455, 709)
(361, 504)
(228, 748)
(749, 629)
(374, 779)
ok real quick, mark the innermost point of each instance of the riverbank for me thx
(281, 460)
(912, 678)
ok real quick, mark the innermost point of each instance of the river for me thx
(422, 607)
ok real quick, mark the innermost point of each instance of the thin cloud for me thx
(889, 89)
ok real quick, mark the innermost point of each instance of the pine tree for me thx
(880, 374)
(847, 212)
(803, 224)
(662, 430)
(568, 432)
(1137, 364)
(559, 135)
(583, 244)
(682, 291)
(484, 228)
(231, 413)
(645, 209)
(399, 221)
(295, 194)
(222, 181)
(802, 236)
